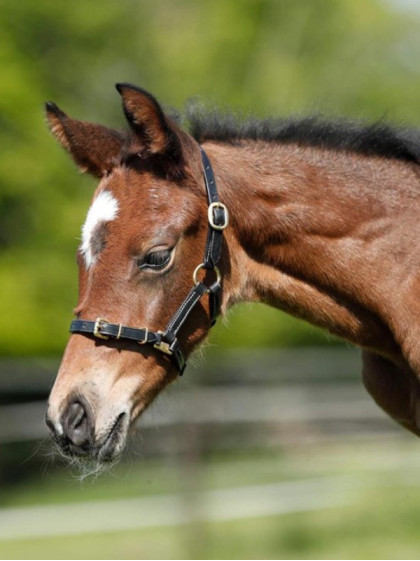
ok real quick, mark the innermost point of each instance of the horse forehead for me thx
(135, 190)
(148, 200)
(103, 210)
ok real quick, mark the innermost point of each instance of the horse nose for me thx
(77, 423)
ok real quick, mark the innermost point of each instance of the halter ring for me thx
(201, 266)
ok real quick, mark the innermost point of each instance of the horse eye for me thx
(155, 260)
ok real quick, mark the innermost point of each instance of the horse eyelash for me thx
(143, 264)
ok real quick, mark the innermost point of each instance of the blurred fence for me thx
(311, 392)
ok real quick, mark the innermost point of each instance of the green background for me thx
(356, 58)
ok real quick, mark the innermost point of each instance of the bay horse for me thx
(319, 219)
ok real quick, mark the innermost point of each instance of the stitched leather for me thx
(184, 310)
(214, 236)
(215, 297)
(112, 330)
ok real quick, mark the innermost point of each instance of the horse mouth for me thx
(112, 444)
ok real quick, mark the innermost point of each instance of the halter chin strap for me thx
(167, 341)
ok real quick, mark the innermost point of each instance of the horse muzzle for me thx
(75, 432)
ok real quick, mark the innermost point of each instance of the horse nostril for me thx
(77, 424)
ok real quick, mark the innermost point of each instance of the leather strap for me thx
(218, 213)
(102, 329)
(184, 311)
(215, 302)
(105, 330)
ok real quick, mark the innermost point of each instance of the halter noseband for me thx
(167, 341)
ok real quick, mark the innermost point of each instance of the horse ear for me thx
(93, 147)
(156, 134)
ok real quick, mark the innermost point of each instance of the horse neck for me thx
(305, 227)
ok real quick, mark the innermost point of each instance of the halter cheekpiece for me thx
(167, 341)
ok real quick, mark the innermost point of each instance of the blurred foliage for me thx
(267, 57)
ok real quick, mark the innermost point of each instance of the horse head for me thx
(141, 272)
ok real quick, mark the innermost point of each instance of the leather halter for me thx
(167, 341)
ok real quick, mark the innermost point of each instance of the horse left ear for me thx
(94, 148)
(156, 134)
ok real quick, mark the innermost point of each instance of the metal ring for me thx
(201, 266)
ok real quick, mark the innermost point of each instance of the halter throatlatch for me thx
(167, 341)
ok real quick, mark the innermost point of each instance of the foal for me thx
(323, 224)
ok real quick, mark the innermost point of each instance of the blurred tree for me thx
(353, 58)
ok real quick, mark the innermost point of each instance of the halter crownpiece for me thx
(167, 341)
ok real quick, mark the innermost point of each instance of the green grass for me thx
(382, 522)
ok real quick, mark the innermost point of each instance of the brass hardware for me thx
(145, 336)
(201, 266)
(211, 217)
(120, 328)
(97, 328)
(163, 346)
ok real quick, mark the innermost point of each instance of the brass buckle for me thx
(201, 266)
(211, 217)
(144, 341)
(97, 328)
(163, 346)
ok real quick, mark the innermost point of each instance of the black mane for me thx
(377, 139)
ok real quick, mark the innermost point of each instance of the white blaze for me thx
(104, 209)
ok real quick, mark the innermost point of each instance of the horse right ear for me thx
(94, 148)
(156, 136)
